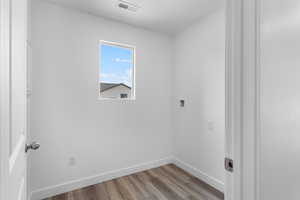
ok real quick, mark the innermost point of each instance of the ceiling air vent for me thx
(128, 6)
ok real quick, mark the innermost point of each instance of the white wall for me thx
(200, 81)
(280, 100)
(66, 116)
(83, 137)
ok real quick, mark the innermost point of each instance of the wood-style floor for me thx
(164, 183)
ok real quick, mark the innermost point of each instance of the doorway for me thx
(54, 109)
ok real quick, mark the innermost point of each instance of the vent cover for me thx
(128, 6)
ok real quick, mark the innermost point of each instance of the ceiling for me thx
(168, 16)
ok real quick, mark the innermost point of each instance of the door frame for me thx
(4, 96)
(243, 99)
(7, 161)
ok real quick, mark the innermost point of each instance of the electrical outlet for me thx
(211, 126)
(72, 161)
(182, 102)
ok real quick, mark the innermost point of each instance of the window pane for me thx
(116, 71)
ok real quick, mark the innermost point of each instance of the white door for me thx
(13, 99)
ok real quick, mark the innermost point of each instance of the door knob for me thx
(32, 146)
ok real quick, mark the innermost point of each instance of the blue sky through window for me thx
(116, 64)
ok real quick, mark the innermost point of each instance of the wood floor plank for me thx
(89, 193)
(59, 197)
(127, 190)
(113, 192)
(139, 186)
(156, 193)
(70, 196)
(153, 191)
(78, 195)
(172, 185)
(195, 182)
(163, 183)
(101, 192)
(182, 184)
(164, 188)
(177, 173)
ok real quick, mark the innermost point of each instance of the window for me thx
(116, 71)
(123, 96)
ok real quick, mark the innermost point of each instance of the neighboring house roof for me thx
(107, 86)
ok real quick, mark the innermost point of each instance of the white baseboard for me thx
(219, 185)
(84, 182)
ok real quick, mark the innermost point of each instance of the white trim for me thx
(87, 181)
(92, 180)
(20, 147)
(133, 87)
(217, 184)
(251, 99)
(21, 189)
(4, 97)
(257, 147)
(122, 45)
(243, 98)
(7, 161)
(233, 120)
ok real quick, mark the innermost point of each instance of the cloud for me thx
(120, 60)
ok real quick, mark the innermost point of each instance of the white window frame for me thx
(133, 87)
